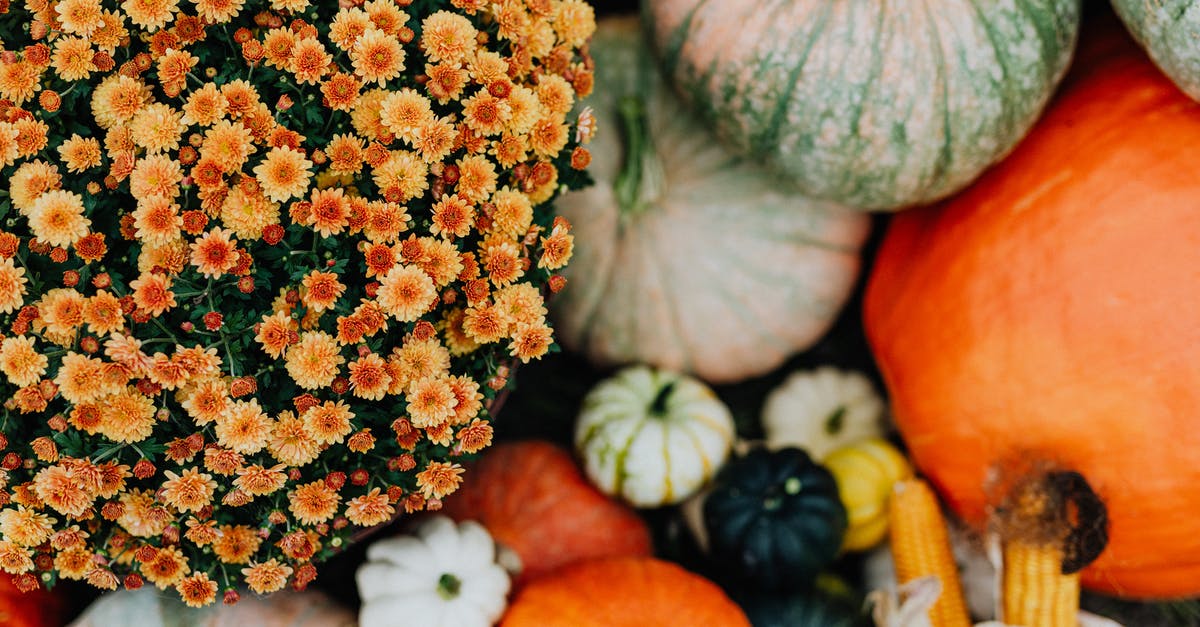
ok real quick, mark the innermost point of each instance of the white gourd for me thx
(445, 575)
(821, 410)
(653, 437)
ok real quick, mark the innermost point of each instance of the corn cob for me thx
(921, 548)
(1036, 593)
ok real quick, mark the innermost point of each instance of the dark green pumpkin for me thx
(809, 609)
(775, 517)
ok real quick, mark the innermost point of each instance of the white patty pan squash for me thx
(821, 410)
(444, 576)
(686, 257)
(652, 437)
(876, 104)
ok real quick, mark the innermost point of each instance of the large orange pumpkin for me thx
(39, 608)
(1052, 312)
(623, 592)
(533, 499)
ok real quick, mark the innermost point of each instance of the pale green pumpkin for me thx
(687, 257)
(876, 104)
(1169, 30)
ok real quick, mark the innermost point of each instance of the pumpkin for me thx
(805, 609)
(862, 102)
(37, 608)
(1169, 31)
(532, 498)
(444, 575)
(652, 437)
(623, 592)
(1048, 313)
(775, 518)
(865, 473)
(148, 607)
(820, 410)
(687, 258)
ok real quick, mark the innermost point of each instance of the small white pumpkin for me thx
(446, 574)
(652, 437)
(821, 410)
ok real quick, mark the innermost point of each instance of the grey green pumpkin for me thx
(686, 257)
(1169, 30)
(876, 104)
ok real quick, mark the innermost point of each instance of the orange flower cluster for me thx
(266, 261)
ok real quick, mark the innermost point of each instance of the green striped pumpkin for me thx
(1169, 30)
(652, 437)
(687, 257)
(875, 104)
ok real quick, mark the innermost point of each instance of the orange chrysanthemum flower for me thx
(475, 436)
(291, 442)
(267, 577)
(19, 80)
(206, 401)
(127, 416)
(189, 491)
(406, 293)
(244, 427)
(448, 37)
(80, 153)
(259, 481)
(369, 509)
(377, 58)
(321, 290)
(330, 211)
(228, 144)
(12, 286)
(58, 489)
(313, 503)
(152, 293)
(72, 58)
(158, 128)
(404, 111)
(439, 479)
(453, 216)
(197, 590)
(56, 218)
(309, 60)
(369, 377)
(248, 213)
(236, 543)
(155, 175)
(283, 174)
(341, 91)
(151, 15)
(168, 567)
(430, 401)
(218, 11)
(313, 361)
(329, 423)
(21, 362)
(157, 220)
(214, 253)
(25, 527)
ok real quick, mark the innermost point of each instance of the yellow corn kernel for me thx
(1035, 592)
(921, 548)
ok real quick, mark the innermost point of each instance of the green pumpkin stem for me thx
(642, 177)
(448, 586)
(658, 407)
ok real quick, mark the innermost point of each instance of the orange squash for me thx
(39, 608)
(623, 592)
(533, 499)
(1052, 313)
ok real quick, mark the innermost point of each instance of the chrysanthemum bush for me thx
(262, 265)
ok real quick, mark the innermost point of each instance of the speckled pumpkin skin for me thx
(869, 103)
(1169, 30)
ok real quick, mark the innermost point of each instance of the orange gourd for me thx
(39, 608)
(1051, 313)
(623, 592)
(533, 499)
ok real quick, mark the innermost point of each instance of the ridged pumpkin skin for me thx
(702, 242)
(775, 518)
(623, 592)
(1050, 313)
(1169, 30)
(865, 102)
(533, 499)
